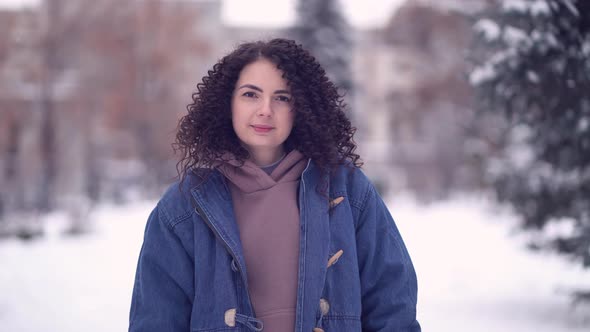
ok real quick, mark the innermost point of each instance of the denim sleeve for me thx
(162, 294)
(388, 279)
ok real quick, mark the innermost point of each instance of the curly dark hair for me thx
(321, 131)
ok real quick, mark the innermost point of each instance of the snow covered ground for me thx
(473, 274)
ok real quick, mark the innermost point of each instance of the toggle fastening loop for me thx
(250, 322)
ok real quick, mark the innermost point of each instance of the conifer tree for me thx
(323, 30)
(533, 67)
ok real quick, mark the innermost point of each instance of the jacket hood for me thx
(249, 177)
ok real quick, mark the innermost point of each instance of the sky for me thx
(277, 13)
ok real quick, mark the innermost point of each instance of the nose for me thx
(265, 109)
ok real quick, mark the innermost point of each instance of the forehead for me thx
(262, 72)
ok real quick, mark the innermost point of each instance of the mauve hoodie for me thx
(267, 214)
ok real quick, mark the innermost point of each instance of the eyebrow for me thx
(254, 87)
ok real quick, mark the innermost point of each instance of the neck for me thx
(263, 158)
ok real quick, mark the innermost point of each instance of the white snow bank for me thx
(61, 284)
(473, 276)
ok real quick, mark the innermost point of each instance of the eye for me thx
(249, 94)
(283, 98)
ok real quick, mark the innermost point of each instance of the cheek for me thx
(237, 123)
(237, 114)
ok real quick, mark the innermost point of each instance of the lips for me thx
(262, 128)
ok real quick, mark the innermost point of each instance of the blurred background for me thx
(473, 121)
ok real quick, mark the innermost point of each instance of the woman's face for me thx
(262, 110)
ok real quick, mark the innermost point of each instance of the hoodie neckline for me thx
(249, 177)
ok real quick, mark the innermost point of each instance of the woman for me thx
(273, 226)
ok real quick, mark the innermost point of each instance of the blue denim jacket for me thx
(191, 274)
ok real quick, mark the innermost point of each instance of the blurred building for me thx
(415, 100)
(109, 80)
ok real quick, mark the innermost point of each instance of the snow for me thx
(563, 228)
(474, 275)
(540, 7)
(545, 39)
(583, 125)
(490, 29)
(532, 76)
(468, 7)
(535, 7)
(482, 74)
(571, 7)
(515, 39)
(514, 36)
(520, 6)
(70, 284)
